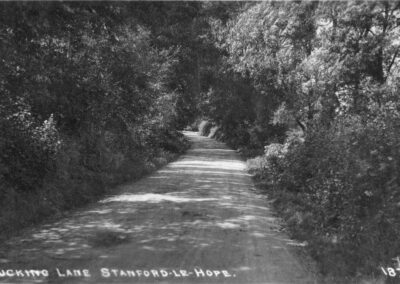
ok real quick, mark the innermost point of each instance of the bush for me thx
(194, 126)
(215, 132)
(205, 127)
(267, 166)
(338, 189)
(27, 150)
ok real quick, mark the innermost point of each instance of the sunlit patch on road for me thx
(153, 198)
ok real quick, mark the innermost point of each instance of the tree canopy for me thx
(95, 92)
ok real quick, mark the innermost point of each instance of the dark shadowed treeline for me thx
(317, 84)
(87, 99)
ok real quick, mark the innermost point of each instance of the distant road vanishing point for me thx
(197, 220)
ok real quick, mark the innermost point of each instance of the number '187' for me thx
(390, 271)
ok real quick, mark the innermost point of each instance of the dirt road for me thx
(197, 220)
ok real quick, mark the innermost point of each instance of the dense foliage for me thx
(317, 84)
(92, 94)
(86, 101)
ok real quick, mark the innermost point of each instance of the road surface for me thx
(197, 220)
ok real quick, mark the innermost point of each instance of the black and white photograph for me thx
(204, 142)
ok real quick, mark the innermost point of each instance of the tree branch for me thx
(392, 61)
(301, 124)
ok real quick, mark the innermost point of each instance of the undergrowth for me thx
(337, 189)
(78, 178)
